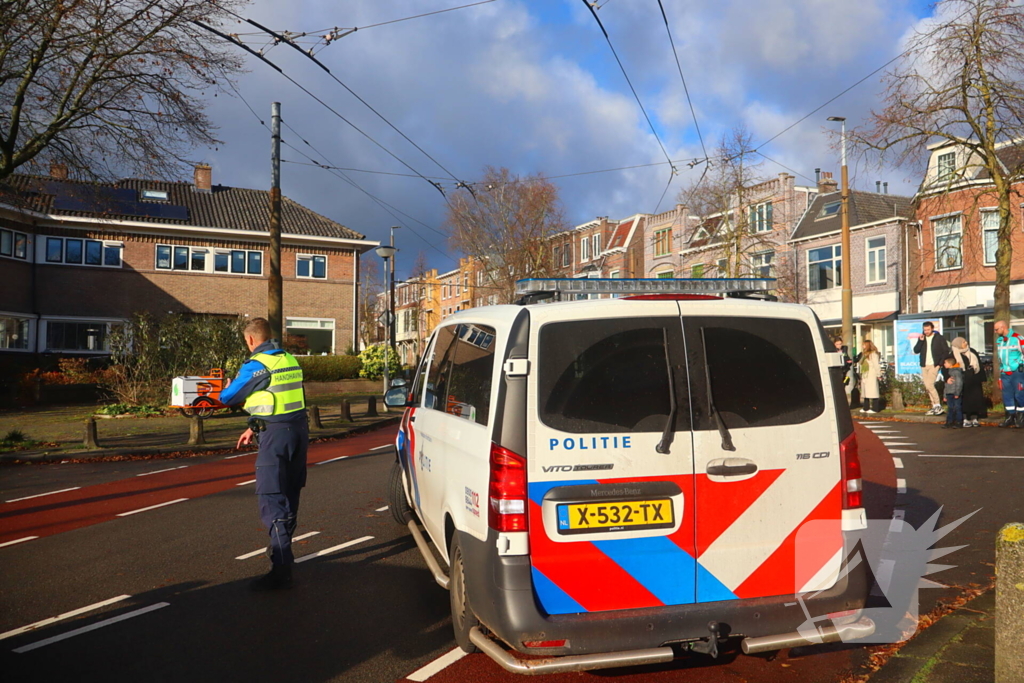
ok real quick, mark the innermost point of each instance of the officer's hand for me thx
(245, 439)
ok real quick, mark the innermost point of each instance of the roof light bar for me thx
(557, 287)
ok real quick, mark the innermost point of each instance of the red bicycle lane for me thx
(49, 514)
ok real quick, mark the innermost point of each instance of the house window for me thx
(990, 235)
(614, 274)
(761, 217)
(558, 255)
(830, 209)
(205, 260)
(14, 244)
(946, 166)
(824, 268)
(13, 333)
(76, 336)
(254, 262)
(762, 264)
(723, 267)
(584, 249)
(666, 275)
(311, 266)
(875, 247)
(595, 245)
(310, 336)
(663, 242)
(77, 252)
(566, 256)
(948, 238)
(198, 261)
(221, 261)
(697, 270)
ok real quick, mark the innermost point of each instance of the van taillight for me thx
(852, 483)
(507, 490)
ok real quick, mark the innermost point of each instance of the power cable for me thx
(681, 77)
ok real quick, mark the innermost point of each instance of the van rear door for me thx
(610, 464)
(768, 499)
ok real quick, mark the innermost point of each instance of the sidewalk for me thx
(992, 420)
(958, 648)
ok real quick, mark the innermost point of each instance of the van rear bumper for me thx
(501, 594)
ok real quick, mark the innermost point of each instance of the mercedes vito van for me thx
(612, 481)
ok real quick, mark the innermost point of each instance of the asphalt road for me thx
(366, 609)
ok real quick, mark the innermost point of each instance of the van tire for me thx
(397, 503)
(463, 618)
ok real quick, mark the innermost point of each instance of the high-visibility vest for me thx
(284, 395)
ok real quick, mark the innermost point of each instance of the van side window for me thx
(764, 371)
(421, 374)
(611, 375)
(469, 386)
(437, 374)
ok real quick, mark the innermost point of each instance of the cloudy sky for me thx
(533, 86)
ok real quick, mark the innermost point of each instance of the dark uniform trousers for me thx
(280, 476)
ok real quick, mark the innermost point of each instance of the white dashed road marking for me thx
(40, 495)
(377, 448)
(152, 507)
(60, 617)
(340, 457)
(246, 483)
(240, 455)
(895, 450)
(898, 462)
(93, 627)
(437, 665)
(20, 540)
(262, 551)
(169, 469)
(321, 553)
(382, 509)
(901, 486)
(1003, 457)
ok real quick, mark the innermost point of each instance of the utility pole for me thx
(846, 256)
(394, 263)
(275, 303)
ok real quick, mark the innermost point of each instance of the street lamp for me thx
(387, 253)
(845, 268)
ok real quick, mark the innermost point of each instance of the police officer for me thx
(1010, 349)
(270, 384)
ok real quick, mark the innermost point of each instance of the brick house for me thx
(957, 218)
(624, 254)
(418, 308)
(662, 243)
(879, 249)
(79, 257)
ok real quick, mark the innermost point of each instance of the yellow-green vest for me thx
(284, 394)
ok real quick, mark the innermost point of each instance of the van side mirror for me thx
(398, 382)
(396, 398)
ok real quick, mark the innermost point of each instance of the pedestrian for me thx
(270, 384)
(931, 347)
(843, 351)
(1010, 349)
(973, 396)
(870, 370)
(954, 387)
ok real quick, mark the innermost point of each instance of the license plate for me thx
(631, 515)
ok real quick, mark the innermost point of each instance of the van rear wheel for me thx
(463, 618)
(399, 507)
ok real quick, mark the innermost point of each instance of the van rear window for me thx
(611, 375)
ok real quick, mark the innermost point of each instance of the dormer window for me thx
(830, 209)
(155, 195)
(946, 166)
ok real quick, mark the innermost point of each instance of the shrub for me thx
(373, 362)
(912, 389)
(15, 436)
(329, 368)
(125, 409)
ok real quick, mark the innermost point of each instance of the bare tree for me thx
(108, 86)
(371, 286)
(962, 81)
(734, 225)
(504, 223)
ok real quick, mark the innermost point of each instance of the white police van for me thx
(612, 481)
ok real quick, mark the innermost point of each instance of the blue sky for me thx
(532, 85)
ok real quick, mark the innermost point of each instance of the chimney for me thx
(817, 175)
(885, 187)
(826, 184)
(59, 171)
(878, 187)
(203, 178)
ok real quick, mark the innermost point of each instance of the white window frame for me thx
(584, 249)
(595, 245)
(312, 259)
(30, 343)
(837, 280)
(881, 266)
(958, 233)
(663, 242)
(43, 241)
(694, 267)
(666, 274)
(567, 255)
(760, 216)
(44, 333)
(209, 267)
(332, 326)
(722, 266)
(984, 243)
(13, 241)
(949, 172)
(757, 261)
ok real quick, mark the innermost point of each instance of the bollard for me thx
(314, 417)
(371, 407)
(90, 434)
(196, 435)
(897, 400)
(1010, 604)
(346, 410)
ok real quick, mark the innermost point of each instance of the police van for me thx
(612, 481)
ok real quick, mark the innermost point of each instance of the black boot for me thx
(1010, 419)
(1020, 419)
(280, 576)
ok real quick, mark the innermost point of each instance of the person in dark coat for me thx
(974, 377)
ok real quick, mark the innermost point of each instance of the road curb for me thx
(184, 449)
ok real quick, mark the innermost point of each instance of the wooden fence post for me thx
(371, 407)
(90, 440)
(346, 410)
(314, 417)
(196, 434)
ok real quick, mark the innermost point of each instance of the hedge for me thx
(329, 368)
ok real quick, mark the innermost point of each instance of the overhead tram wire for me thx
(682, 78)
(416, 16)
(324, 104)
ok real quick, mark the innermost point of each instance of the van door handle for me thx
(731, 467)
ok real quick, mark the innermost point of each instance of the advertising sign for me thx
(907, 332)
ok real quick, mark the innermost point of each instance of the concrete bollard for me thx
(897, 400)
(346, 410)
(371, 407)
(90, 440)
(1010, 604)
(196, 434)
(314, 417)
